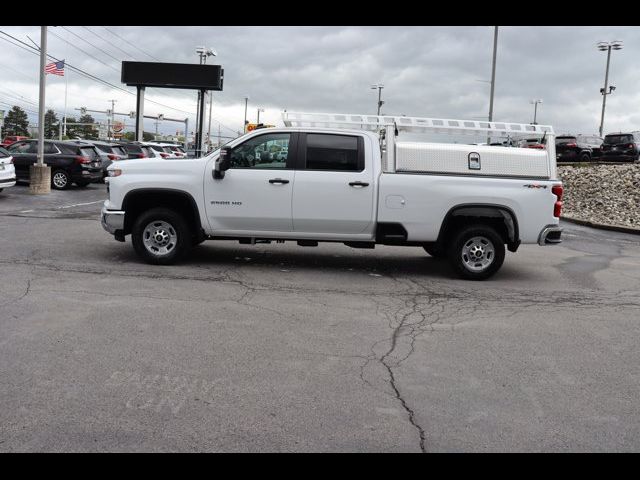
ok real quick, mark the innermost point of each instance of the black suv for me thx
(70, 162)
(577, 148)
(621, 147)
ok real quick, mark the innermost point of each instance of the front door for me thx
(255, 193)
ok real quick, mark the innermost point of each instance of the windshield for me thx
(618, 139)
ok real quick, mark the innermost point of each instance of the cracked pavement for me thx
(285, 348)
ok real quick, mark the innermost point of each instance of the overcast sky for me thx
(440, 72)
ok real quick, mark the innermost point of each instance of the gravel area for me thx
(606, 194)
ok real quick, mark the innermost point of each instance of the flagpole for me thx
(66, 85)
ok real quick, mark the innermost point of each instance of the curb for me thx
(601, 226)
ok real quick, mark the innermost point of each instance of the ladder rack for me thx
(411, 124)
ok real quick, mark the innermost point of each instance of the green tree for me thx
(129, 136)
(87, 131)
(148, 136)
(16, 122)
(51, 124)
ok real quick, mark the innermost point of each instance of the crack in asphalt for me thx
(23, 295)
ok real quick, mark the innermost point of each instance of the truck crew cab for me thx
(346, 178)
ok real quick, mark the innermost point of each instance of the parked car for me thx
(582, 148)
(173, 149)
(162, 150)
(621, 147)
(532, 143)
(12, 139)
(70, 162)
(109, 152)
(137, 150)
(7, 170)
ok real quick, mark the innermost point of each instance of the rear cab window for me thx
(330, 152)
(565, 140)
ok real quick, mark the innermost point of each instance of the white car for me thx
(7, 170)
(166, 150)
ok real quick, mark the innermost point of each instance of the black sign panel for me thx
(172, 75)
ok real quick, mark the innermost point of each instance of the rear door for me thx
(255, 193)
(334, 187)
(24, 155)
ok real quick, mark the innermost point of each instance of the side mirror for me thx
(223, 162)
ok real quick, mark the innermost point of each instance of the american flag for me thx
(57, 68)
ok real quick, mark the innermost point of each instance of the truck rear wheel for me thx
(160, 236)
(476, 252)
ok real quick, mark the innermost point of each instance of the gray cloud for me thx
(427, 71)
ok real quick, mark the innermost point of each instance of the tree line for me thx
(16, 122)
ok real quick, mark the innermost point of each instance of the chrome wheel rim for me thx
(478, 254)
(60, 180)
(159, 238)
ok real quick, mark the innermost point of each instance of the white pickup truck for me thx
(346, 178)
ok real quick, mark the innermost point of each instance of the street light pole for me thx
(259, 110)
(535, 109)
(607, 46)
(246, 102)
(379, 87)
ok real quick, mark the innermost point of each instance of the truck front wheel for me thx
(476, 252)
(160, 236)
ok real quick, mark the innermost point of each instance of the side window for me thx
(50, 148)
(20, 147)
(265, 151)
(333, 152)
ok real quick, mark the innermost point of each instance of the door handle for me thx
(278, 180)
(358, 184)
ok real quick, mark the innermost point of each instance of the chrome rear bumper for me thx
(550, 235)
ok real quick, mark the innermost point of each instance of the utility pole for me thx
(110, 118)
(219, 143)
(493, 76)
(246, 102)
(40, 174)
(210, 108)
(535, 110)
(259, 110)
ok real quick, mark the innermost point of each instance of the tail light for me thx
(164, 155)
(82, 160)
(572, 144)
(557, 190)
(630, 145)
(112, 156)
(142, 155)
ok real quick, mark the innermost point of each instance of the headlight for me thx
(116, 172)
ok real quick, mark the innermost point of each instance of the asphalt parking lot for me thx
(286, 348)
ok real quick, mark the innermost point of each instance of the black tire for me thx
(435, 252)
(60, 180)
(174, 237)
(585, 157)
(82, 184)
(482, 239)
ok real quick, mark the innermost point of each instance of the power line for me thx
(109, 42)
(129, 43)
(83, 51)
(87, 41)
(33, 50)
